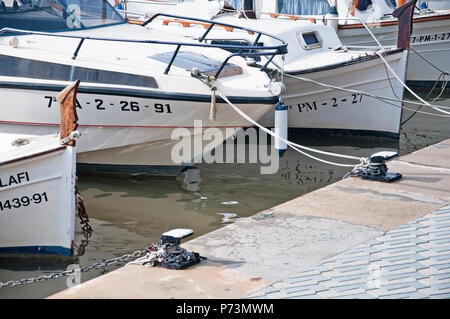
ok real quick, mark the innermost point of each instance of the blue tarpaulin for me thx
(318, 7)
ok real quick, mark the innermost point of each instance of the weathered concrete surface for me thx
(209, 280)
(279, 242)
(435, 155)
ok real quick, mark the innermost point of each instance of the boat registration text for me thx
(441, 36)
(332, 103)
(23, 201)
(123, 105)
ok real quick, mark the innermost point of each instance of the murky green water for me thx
(127, 213)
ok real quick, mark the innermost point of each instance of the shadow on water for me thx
(129, 212)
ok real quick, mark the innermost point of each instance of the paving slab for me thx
(349, 218)
(385, 277)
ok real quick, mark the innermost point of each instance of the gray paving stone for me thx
(415, 275)
(441, 219)
(360, 276)
(342, 288)
(441, 212)
(441, 249)
(345, 269)
(442, 286)
(441, 241)
(415, 257)
(416, 285)
(441, 257)
(314, 270)
(368, 258)
(314, 278)
(412, 295)
(314, 288)
(396, 242)
(259, 297)
(441, 266)
(356, 296)
(415, 265)
(440, 226)
(411, 261)
(367, 250)
(270, 289)
(314, 296)
(406, 233)
(414, 226)
(413, 248)
(373, 242)
(445, 295)
(439, 232)
(441, 276)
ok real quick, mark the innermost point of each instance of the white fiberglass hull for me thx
(431, 38)
(311, 106)
(128, 129)
(37, 197)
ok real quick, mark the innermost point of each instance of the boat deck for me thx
(19, 146)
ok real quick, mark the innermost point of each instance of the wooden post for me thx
(67, 100)
(405, 23)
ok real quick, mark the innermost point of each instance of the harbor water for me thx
(127, 213)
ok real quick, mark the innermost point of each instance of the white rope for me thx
(295, 146)
(406, 87)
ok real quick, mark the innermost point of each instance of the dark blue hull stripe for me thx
(156, 170)
(37, 250)
(140, 94)
(427, 84)
(348, 132)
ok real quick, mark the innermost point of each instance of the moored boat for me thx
(430, 40)
(137, 86)
(37, 187)
(315, 53)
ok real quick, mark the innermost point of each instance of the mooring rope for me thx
(407, 87)
(296, 146)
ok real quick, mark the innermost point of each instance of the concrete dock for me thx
(351, 239)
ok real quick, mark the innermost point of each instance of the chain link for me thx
(56, 275)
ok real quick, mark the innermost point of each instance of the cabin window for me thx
(189, 60)
(310, 40)
(238, 42)
(57, 15)
(26, 68)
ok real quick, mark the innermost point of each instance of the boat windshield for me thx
(57, 15)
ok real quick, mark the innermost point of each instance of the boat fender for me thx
(281, 127)
(118, 5)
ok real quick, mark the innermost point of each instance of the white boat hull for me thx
(429, 38)
(37, 203)
(311, 106)
(121, 130)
